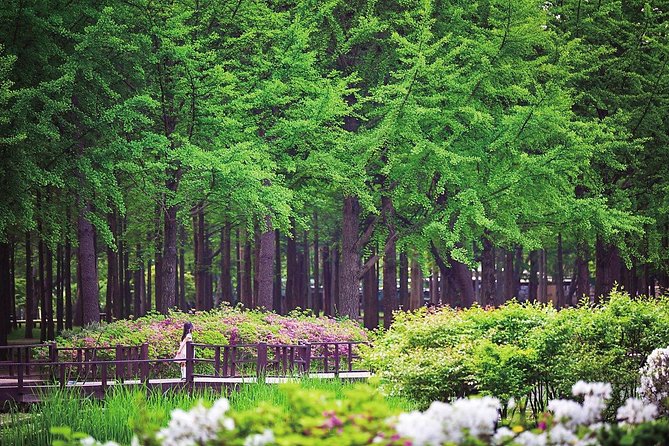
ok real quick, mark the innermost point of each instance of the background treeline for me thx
(160, 154)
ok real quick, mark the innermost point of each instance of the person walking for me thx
(186, 337)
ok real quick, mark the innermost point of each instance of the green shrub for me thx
(530, 352)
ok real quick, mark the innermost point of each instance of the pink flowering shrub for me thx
(224, 326)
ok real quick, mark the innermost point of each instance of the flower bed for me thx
(225, 326)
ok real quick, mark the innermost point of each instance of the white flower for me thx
(449, 423)
(635, 411)
(88, 441)
(198, 425)
(654, 388)
(528, 438)
(596, 389)
(266, 437)
(560, 435)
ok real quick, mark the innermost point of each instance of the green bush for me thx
(530, 352)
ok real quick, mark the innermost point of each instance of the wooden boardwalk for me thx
(28, 371)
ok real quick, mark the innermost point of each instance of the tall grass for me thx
(110, 419)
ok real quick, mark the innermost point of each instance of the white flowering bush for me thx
(654, 387)
(362, 416)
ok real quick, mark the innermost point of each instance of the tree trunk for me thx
(159, 259)
(277, 292)
(169, 260)
(349, 267)
(226, 264)
(198, 243)
(559, 275)
(59, 288)
(149, 285)
(30, 293)
(127, 276)
(139, 283)
(462, 278)
(509, 283)
(327, 281)
(534, 280)
(317, 296)
(50, 332)
(404, 281)
(370, 299)
(42, 283)
(182, 269)
(434, 287)
(336, 303)
(239, 255)
(307, 298)
(247, 280)
(5, 297)
(582, 272)
(266, 266)
(416, 296)
(112, 303)
(68, 284)
(517, 271)
(291, 269)
(90, 300)
(607, 268)
(488, 291)
(543, 277)
(390, 298)
(256, 262)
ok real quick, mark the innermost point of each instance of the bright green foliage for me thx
(529, 352)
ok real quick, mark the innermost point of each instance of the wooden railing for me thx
(24, 368)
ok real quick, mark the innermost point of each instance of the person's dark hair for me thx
(188, 327)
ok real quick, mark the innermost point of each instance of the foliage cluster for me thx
(529, 352)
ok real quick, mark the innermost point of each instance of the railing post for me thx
(261, 364)
(190, 357)
(307, 358)
(217, 361)
(120, 366)
(144, 367)
(53, 358)
(336, 359)
(20, 379)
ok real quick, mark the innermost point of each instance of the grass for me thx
(109, 419)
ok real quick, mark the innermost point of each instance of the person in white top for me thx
(186, 337)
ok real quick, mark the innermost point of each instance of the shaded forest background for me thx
(284, 154)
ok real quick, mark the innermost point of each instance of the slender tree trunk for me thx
(291, 270)
(182, 269)
(5, 298)
(534, 280)
(390, 298)
(543, 277)
(327, 281)
(30, 293)
(559, 275)
(434, 287)
(198, 244)
(488, 291)
(42, 287)
(247, 297)
(349, 268)
(68, 284)
(50, 332)
(256, 262)
(59, 288)
(127, 277)
(266, 266)
(112, 303)
(306, 277)
(239, 262)
(90, 300)
(149, 286)
(318, 297)
(416, 296)
(583, 274)
(278, 301)
(336, 303)
(370, 299)
(123, 309)
(509, 283)
(139, 283)
(518, 267)
(226, 265)
(404, 281)
(12, 285)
